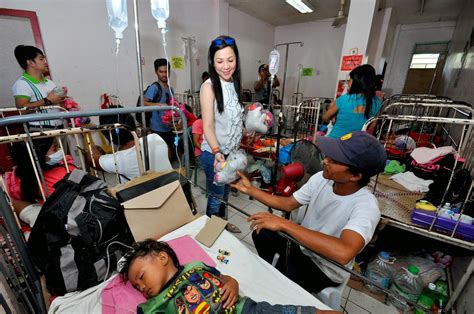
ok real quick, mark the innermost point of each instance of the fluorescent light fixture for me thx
(300, 6)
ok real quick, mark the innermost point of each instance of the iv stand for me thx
(188, 41)
(140, 83)
(286, 64)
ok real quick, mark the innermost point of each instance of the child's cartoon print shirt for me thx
(194, 289)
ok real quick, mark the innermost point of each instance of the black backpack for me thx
(138, 116)
(74, 238)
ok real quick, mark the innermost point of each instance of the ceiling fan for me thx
(341, 18)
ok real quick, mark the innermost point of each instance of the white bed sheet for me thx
(257, 279)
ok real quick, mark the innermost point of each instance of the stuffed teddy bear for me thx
(258, 119)
(226, 171)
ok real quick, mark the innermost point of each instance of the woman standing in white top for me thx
(222, 115)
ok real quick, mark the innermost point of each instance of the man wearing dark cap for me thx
(339, 218)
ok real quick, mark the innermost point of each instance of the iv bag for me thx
(118, 18)
(160, 9)
(274, 62)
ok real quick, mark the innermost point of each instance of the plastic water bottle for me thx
(160, 9)
(380, 271)
(118, 18)
(407, 284)
(274, 62)
(445, 211)
(427, 299)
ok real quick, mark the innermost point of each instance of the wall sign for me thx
(351, 62)
(177, 62)
(307, 71)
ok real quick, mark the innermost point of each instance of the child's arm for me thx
(230, 290)
(196, 140)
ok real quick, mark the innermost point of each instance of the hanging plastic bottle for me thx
(274, 62)
(118, 18)
(160, 9)
(380, 271)
(407, 284)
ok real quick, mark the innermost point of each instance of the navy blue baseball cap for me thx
(358, 149)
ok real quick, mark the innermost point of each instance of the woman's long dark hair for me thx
(217, 44)
(363, 82)
(24, 170)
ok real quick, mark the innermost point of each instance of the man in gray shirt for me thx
(262, 86)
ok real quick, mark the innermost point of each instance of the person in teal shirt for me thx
(352, 110)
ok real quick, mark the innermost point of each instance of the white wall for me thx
(321, 51)
(80, 45)
(406, 36)
(464, 88)
(255, 40)
(378, 37)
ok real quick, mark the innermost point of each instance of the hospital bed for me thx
(257, 279)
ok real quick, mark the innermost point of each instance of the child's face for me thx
(149, 274)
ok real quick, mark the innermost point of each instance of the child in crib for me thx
(153, 268)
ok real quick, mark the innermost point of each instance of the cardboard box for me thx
(158, 212)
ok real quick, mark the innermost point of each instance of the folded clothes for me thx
(423, 155)
(412, 182)
(394, 167)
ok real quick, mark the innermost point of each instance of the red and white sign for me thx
(351, 62)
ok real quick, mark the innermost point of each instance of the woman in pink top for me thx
(21, 182)
(197, 131)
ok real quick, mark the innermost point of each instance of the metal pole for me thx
(284, 75)
(140, 82)
(188, 42)
(300, 68)
(286, 65)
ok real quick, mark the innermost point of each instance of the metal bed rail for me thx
(115, 111)
(303, 119)
(387, 123)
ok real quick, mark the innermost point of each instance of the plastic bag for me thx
(226, 171)
(258, 119)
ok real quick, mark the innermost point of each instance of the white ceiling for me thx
(278, 12)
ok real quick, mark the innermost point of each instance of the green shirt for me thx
(195, 289)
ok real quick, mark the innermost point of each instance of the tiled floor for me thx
(353, 301)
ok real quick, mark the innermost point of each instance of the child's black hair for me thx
(143, 248)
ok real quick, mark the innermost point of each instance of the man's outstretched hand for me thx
(243, 185)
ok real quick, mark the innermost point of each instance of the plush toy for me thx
(258, 119)
(60, 91)
(226, 171)
(71, 105)
(169, 115)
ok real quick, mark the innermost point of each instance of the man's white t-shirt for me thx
(127, 160)
(330, 214)
(29, 88)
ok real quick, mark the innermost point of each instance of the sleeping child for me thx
(153, 268)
